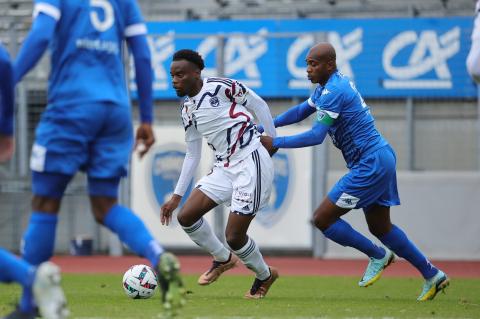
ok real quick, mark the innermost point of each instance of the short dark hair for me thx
(191, 56)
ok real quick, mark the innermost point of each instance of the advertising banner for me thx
(386, 58)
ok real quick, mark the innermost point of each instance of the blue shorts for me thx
(96, 138)
(373, 181)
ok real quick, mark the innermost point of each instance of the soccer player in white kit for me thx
(473, 58)
(220, 110)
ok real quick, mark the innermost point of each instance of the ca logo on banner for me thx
(161, 49)
(347, 47)
(241, 54)
(431, 53)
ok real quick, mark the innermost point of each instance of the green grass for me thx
(101, 296)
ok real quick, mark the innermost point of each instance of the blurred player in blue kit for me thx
(44, 280)
(87, 126)
(7, 145)
(370, 184)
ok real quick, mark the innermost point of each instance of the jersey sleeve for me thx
(191, 132)
(134, 23)
(329, 103)
(237, 92)
(48, 7)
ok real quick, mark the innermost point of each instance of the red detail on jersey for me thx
(240, 132)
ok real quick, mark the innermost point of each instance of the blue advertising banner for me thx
(386, 58)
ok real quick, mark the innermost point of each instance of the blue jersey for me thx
(6, 93)
(353, 130)
(86, 51)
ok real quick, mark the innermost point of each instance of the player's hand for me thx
(168, 208)
(7, 147)
(260, 128)
(267, 142)
(144, 139)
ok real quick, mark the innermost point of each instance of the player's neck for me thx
(323, 82)
(196, 88)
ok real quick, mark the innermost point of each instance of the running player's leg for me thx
(15, 269)
(51, 301)
(121, 220)
(109, 153)
(211, 190)
(252, 181)
(327, 218)
(361, 187)
(392, 236)
(39, 237)
(60, 149)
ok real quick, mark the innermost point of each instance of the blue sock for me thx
(132, 231)
(398, 242)
(342, 233)
(15, 269)
(38, 241)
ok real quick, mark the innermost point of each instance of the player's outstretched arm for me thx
(143, 75)
(294, 114)
(190, 163)
(258, 106)
(7, 142)
(312, 137)
(34, 45)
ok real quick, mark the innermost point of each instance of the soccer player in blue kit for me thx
(44, 280)
(87, 125)
(371, 182)
(7, 145)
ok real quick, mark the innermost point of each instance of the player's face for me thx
(184, 77)
(318, 70)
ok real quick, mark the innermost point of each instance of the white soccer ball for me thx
(139, 282)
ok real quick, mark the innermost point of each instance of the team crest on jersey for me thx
(165, 170)
(214, 101)
(273, 213)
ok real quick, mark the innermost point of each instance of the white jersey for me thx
(219, 114)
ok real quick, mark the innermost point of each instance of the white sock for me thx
(251, 256)
(202, 235)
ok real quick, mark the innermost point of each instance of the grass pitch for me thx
(303, 297)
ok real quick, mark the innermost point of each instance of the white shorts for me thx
(245, 186)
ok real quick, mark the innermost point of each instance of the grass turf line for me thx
(302, 297)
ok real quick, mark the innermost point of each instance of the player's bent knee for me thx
(379, 231)
(45, 204)
(101, 205)
(320, 221)
(185, 219)
(236, 240)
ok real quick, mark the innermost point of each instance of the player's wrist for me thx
(146, 120)
(278, 142)
(177, 198)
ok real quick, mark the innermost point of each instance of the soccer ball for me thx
(139, 282)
